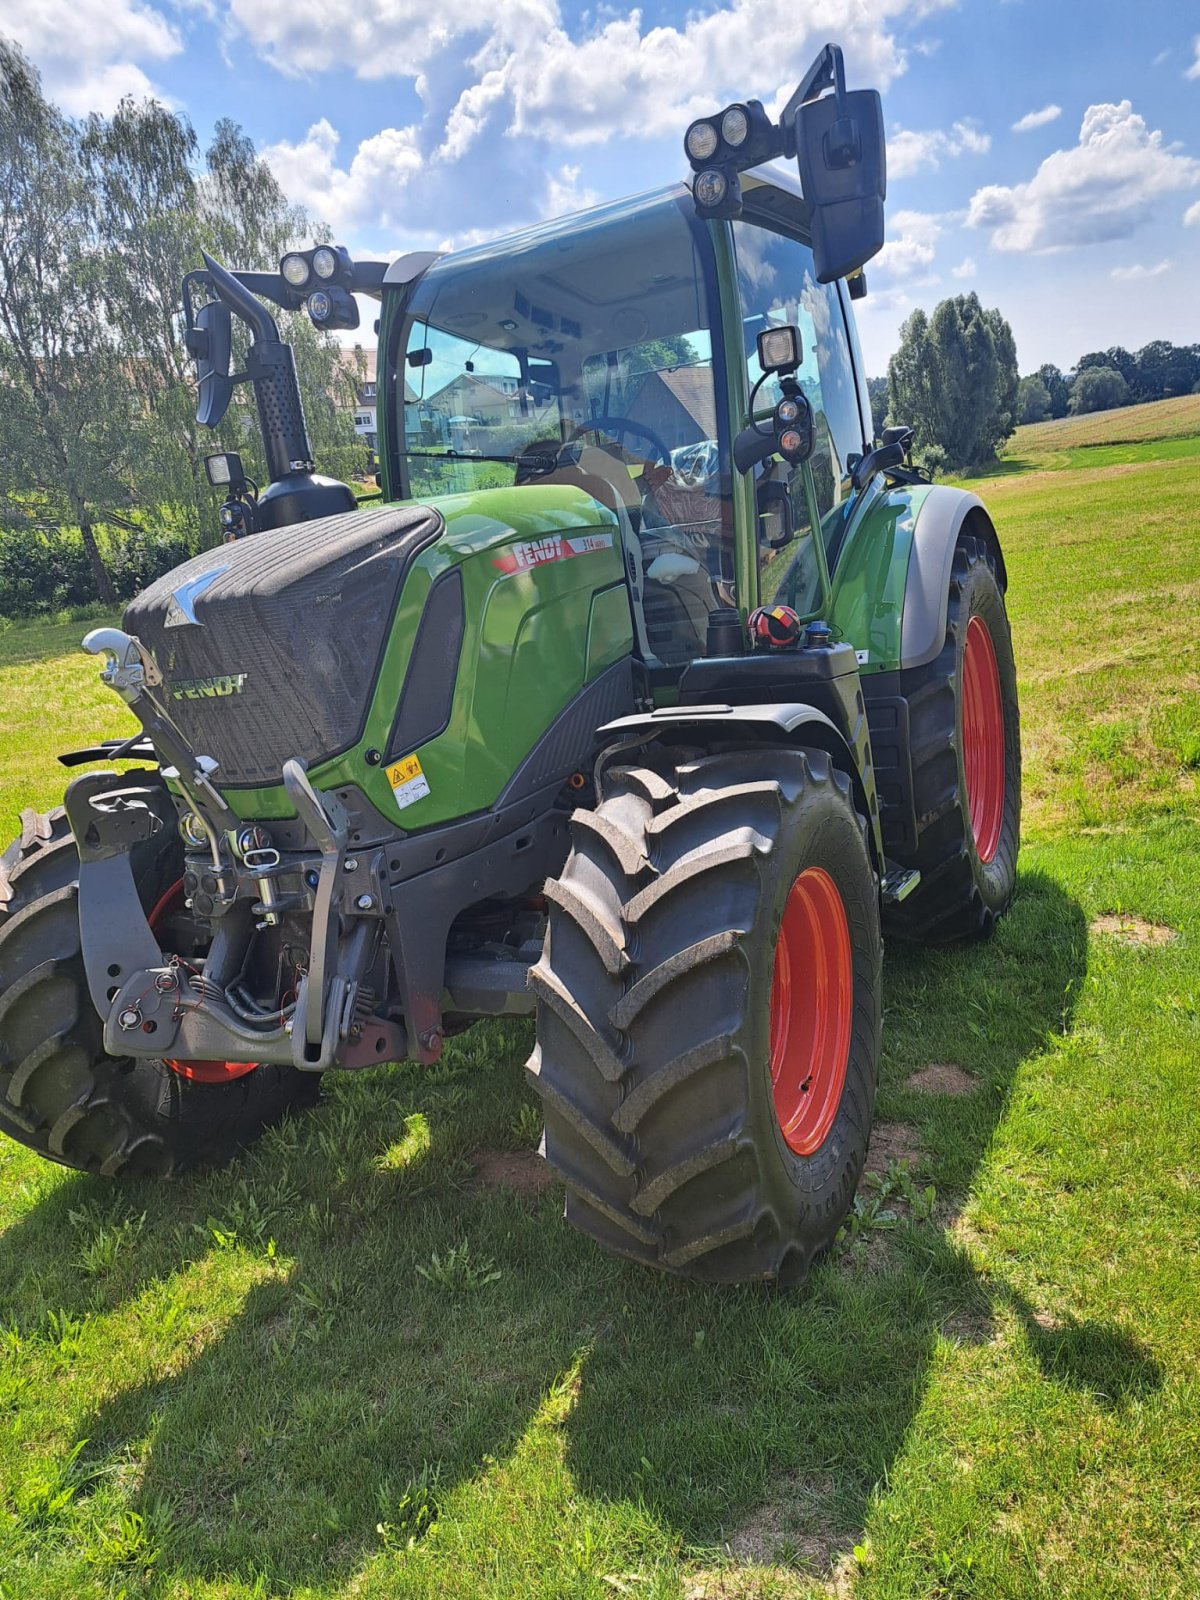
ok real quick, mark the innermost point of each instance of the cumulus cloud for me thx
(1194, 70)
(1036, 119)
(965, 269)
(563, 193)
(88, 51)
(1137, 273)
(371, 185)
(911, 245)
(1104, 188)
(1191, 217)
(908, 151)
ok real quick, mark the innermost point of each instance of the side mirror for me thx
(777, 526)
(211, 343)
(843, 172)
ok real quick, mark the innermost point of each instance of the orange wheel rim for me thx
(197, 1071)
(812, 1003)
(983, 738)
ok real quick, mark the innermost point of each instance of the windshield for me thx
(582, 354)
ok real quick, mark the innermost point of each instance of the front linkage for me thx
(361, 928)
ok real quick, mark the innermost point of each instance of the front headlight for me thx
(700, 141)
(325, 262)
(295, 270)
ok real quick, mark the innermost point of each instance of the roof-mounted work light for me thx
(837, 140)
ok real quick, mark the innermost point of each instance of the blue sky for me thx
(1043, 153)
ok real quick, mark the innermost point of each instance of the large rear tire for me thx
(60, 1093)
(965, 742)
(708, 1013)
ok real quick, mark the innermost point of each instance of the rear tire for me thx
(966, 787)
(61, 1094)
(655, 1037)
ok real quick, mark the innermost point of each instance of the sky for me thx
(1043, 153)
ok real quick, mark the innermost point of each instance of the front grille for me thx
(289, 635)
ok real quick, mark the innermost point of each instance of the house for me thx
(359, 363)
(679, 403)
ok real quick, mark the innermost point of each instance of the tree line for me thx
(1102, 379)
(954, 380)
(101, 459)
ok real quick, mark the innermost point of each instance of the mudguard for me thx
(785, 722)
(944, 514)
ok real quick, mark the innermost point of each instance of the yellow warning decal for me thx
(408, 781)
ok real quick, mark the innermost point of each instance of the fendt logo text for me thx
(208, 688)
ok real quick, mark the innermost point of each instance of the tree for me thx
(954, 380)
(1098, 389)
(1164, 369)
(1033, 399)
(877, 391)
(65, 400)
(1057, 387)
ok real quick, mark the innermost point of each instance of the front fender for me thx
(780, 722)
(944, 516)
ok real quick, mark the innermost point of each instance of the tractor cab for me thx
(599, 351)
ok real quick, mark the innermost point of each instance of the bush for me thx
(46, 570)
(41, 570)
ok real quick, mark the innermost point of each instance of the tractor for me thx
(647, 696)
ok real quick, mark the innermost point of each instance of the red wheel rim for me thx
(198, 1071)
(812, 1001)
(983, 738)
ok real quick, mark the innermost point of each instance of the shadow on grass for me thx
(358, 1359)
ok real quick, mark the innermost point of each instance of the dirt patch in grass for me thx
(1132, 930)
(942, 1077)
(797, 1527)
(892, 1141)
(522, 1171)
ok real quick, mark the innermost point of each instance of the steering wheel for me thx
(618, 425)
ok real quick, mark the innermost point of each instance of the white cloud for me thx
(965, 269)
(908, 151)
(911, 244)
(520, 63)
(1036, 119)
(370, 189)
(1194, 70)
(1191, 217)
(88, 50)
(1137, 273)
(1104, 188)
(563, 193)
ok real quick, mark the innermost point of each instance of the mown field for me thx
(371, 1361)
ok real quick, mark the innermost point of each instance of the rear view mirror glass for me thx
(843, 171)
(214, 342)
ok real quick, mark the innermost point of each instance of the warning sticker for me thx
(862, 657)
(408, 781)
(537, 552)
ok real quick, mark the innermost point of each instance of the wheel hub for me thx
(812, 1003)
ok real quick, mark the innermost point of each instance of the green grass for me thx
(348, 1367)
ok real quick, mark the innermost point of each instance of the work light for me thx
(735, 127)
(325, 262)
(701, 141)
(320, 305)
(779, 349)
(711, 187)
(294, 268)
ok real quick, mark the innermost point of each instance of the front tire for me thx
(61, 1094)
(681, 1006)
(965, 742)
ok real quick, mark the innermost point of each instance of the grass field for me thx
(370, 1361)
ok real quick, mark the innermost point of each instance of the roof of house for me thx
(692, 387)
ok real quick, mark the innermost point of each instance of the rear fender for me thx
(945, 515)
(786, 723)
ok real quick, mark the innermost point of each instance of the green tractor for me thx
(649, 693)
